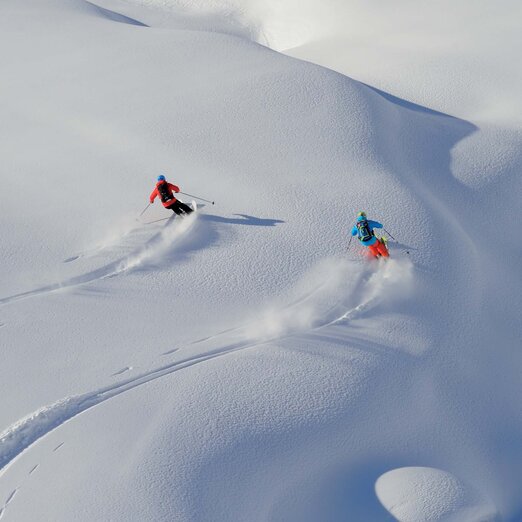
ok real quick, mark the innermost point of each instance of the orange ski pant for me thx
(379, 248)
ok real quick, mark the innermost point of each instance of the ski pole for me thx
(143, 211)
(389, 234)
(197, 197)
(349, 243)
(405, 249)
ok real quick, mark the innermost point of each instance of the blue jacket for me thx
(372, 225)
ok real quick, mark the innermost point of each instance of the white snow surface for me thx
(242, 364)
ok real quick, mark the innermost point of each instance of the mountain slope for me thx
(307, 372)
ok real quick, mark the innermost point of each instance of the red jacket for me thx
(170, 187)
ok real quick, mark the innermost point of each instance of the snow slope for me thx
(241, 364)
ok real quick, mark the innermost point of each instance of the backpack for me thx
(164, 192)
(364, 231)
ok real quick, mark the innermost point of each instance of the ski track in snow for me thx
(122, 371)
(25, 432)
(154, 246)
(59, 446)
(302, 299)
(11, 496)
(110, 243)
(8, 501)
(72, 258)
(170, 352)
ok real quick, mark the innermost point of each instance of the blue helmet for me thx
(161, 178)
(361, 218)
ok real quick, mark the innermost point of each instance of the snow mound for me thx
(420, 494)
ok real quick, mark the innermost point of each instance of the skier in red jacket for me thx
(165, 191)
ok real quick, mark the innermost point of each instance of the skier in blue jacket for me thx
(363, 229)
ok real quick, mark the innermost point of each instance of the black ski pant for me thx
(179, 208)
